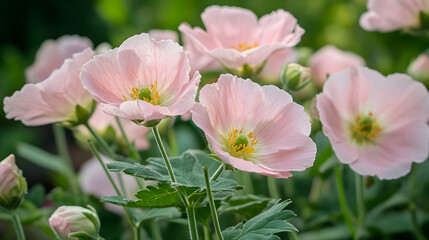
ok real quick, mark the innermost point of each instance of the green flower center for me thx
(365, 129)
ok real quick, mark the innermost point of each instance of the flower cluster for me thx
(377, 125)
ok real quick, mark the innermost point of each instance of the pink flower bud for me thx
(70, 220)
(419, 68)
(12, 184)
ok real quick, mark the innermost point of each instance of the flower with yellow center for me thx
(240, 144)
(365, 129)
(253, 128)
(376, 124)
(143, 80)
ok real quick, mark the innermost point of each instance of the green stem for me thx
(163, 153)
(190, 211)
(207, 235)
(172, 141)
(212, 205)
(246, 180)
(289, 187)
(343, 202)
(17, 225)
(61, 143)
(218, 172)
(360, 204)
(131, 147)
(137, 232)
(127, 213)
(156, 232)
(272, 188)
(412, 204)
(101, 142)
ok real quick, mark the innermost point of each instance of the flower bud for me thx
(12, 184)
(419, 68)
(76, 223)
(295, 77)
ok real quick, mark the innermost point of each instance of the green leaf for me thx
(264, 225)
(188, 171)
(247, 205)
(152, 197)
(42, 158)
(137, 170)
(36, 195)
(157, 213)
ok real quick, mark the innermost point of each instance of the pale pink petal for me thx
(164, 35)
(54, 99)
(391, 15)
(335, 128)
(52, 54)
(104, 79)
(222, 22)
(330, 60)
(235, 37)
(402, 101)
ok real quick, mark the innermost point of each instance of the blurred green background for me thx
(25, 24)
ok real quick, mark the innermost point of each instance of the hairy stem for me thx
(212, 205)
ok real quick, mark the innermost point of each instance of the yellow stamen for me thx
(154, 94)
(240, 149)
(244, 46)
(365, 129)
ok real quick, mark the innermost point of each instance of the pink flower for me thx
(143, 79)
(391, 15)
(12, 184)
(94, 181)
(329, 60)
(419, 68)
(68, 220)
(54, 99)
(163, 35)
(51, 56)
(200, 61)
(235, 37)
(253, 128)
(271, 70)
(376, 124)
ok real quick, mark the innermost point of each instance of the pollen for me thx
(365, 128)
(239, 144)
(150, 95)
(244, 46)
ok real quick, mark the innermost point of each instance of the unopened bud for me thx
(419, 68)
(294, 76)
(76, 223)
(13, 185)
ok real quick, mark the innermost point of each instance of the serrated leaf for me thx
(187, 170)
(247, 205)
(157, 213)
(264, 225)
(152, 197)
